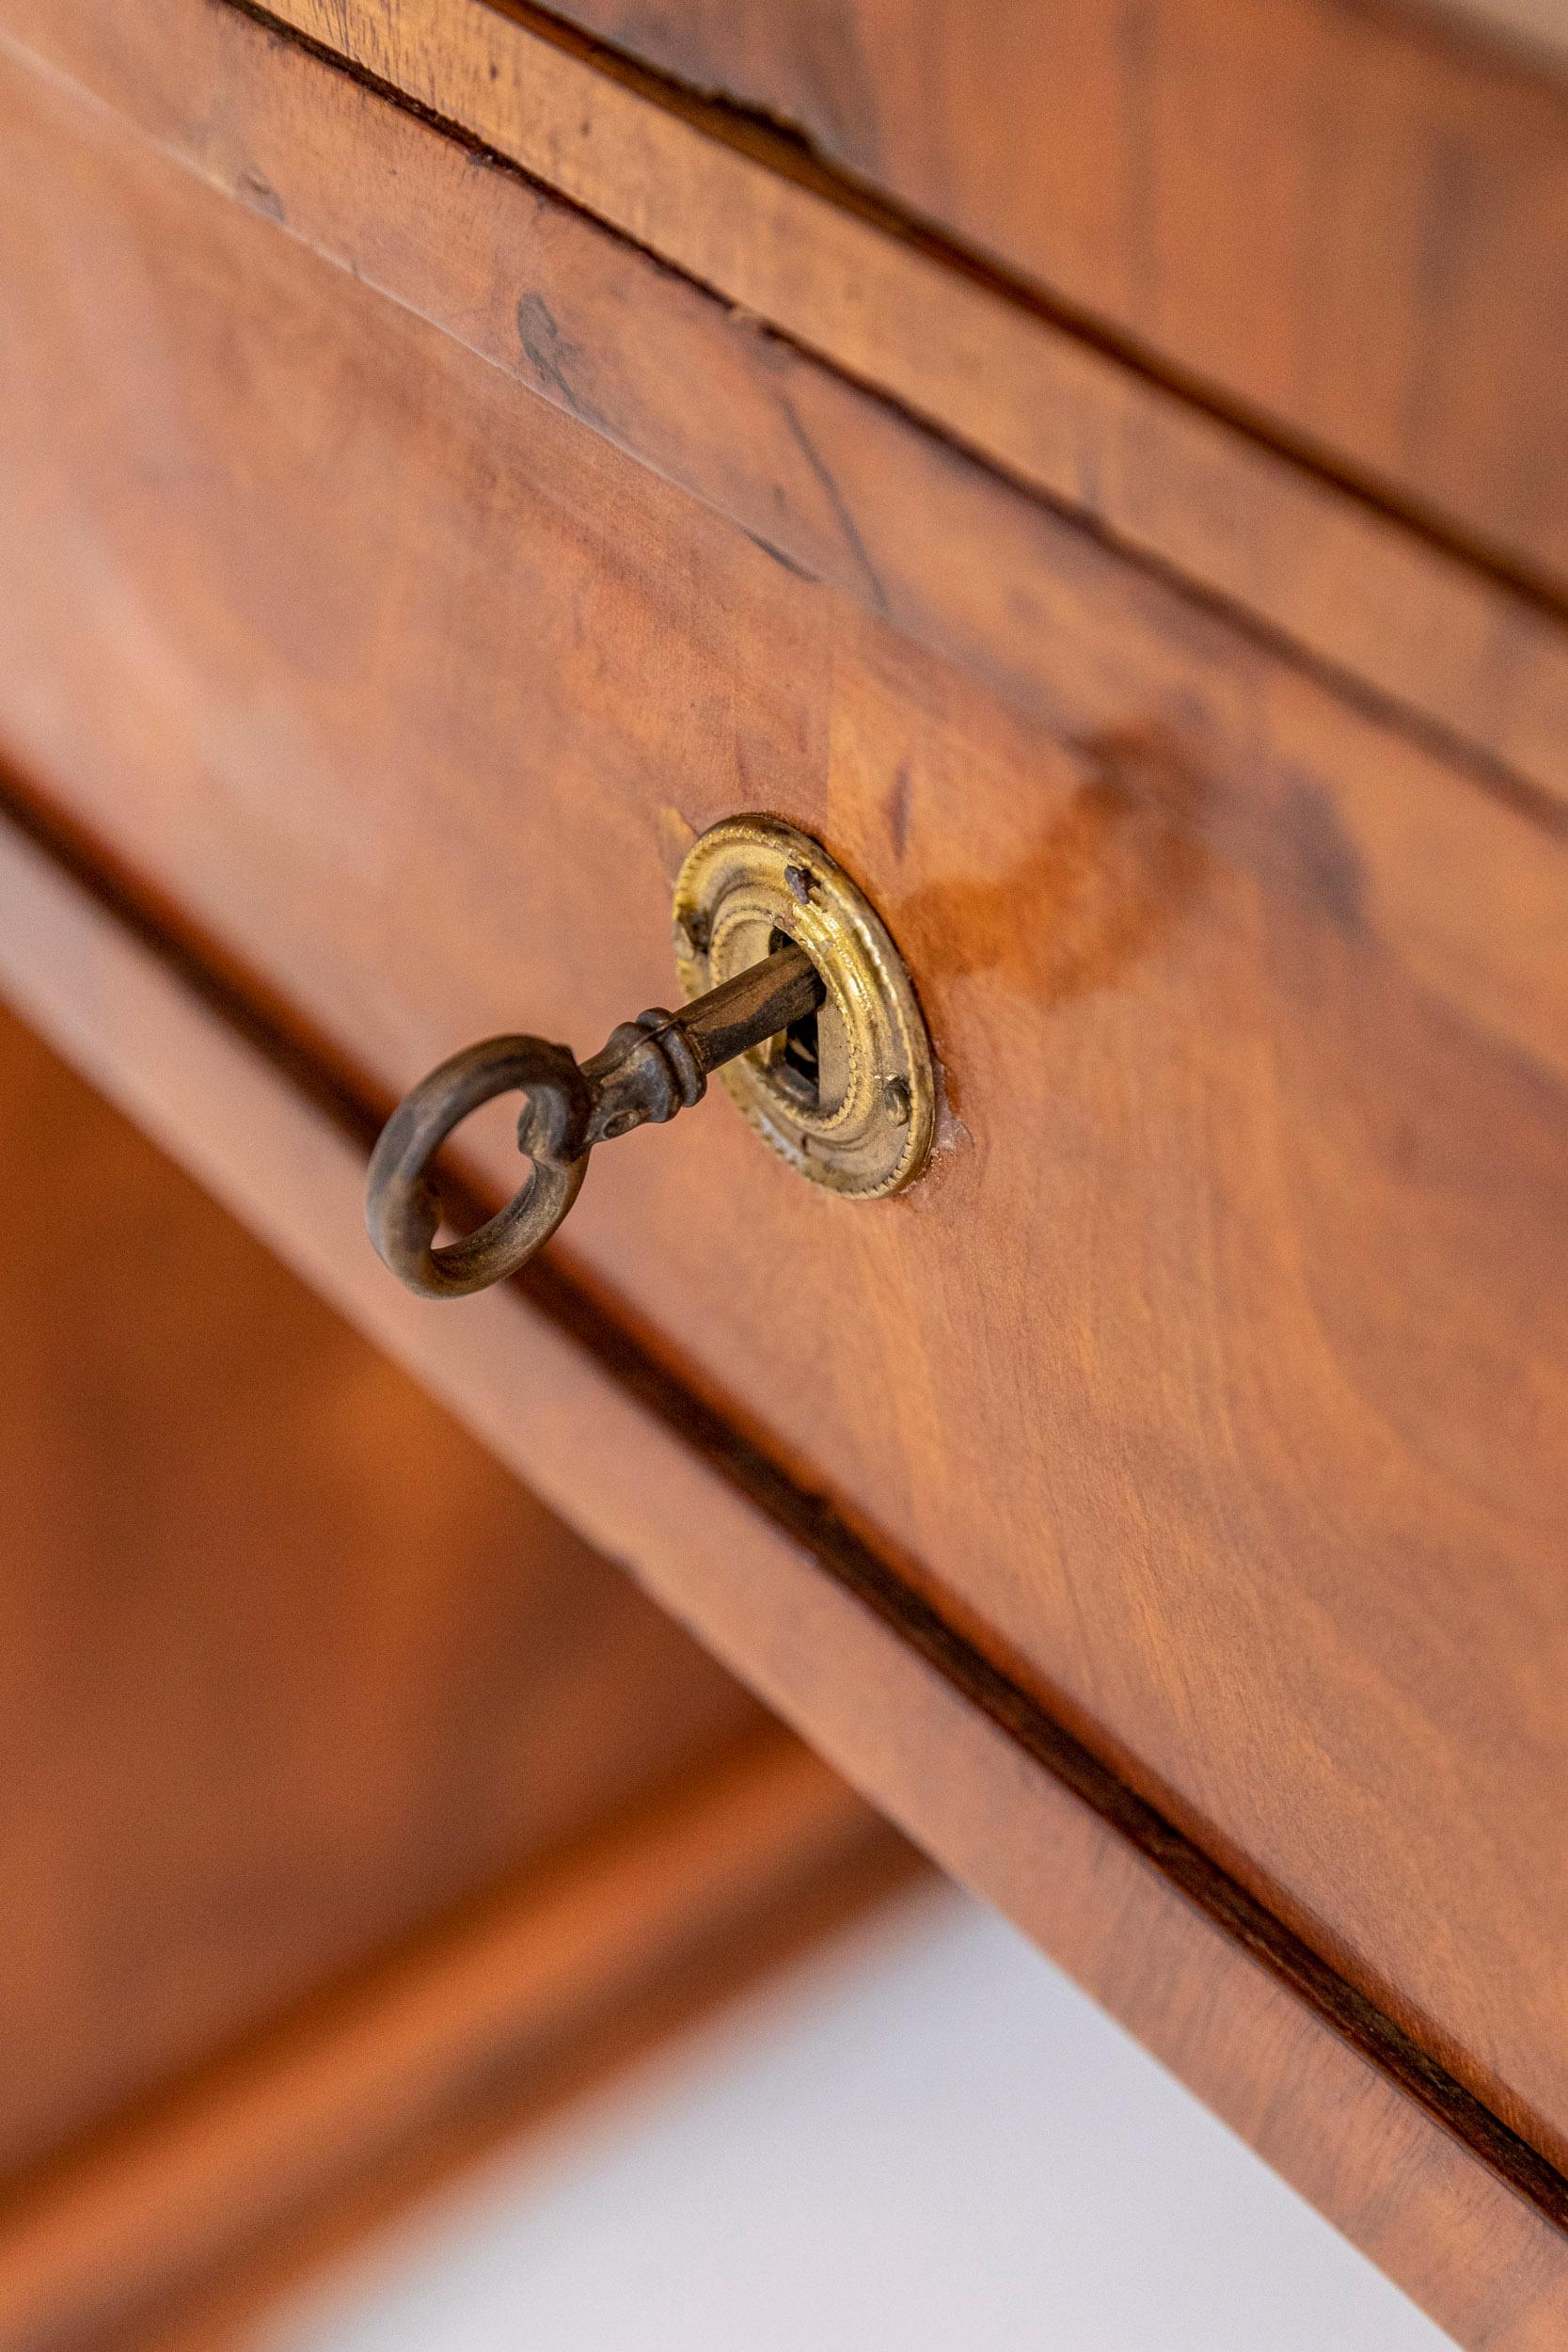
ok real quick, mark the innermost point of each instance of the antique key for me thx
(768, 915)
(650, 1069)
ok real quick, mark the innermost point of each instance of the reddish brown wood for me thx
(1353, 586)
(422, 2056)
(287, 1665)
(863, 505)
(1254, 1014)
(1208, 1398)
(1467, 2221)
(1350, 219)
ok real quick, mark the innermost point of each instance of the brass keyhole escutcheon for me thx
(795, 994)
(847, 1093)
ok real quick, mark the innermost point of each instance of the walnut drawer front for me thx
(1212, 1384)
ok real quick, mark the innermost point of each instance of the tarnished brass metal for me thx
(797, 993)
(848, 1095)
(650, 1069)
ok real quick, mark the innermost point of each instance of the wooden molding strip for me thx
(1337, 224)
(1462, 2213)
(1384, 606)
(183, 2194)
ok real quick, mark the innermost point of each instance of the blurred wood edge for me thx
(235, 2308)
(1468, 2218)
(209, 2195)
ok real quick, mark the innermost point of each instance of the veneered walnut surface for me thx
(288, 1664)
(1345, 220)
(1215, 1379)
(1353, 581)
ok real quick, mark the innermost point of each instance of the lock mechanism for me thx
(847, 1093)
(795, 991)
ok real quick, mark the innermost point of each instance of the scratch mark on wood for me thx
(847, 526)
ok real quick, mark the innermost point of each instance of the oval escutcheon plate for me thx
(848, 1095)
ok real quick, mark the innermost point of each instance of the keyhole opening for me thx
(795, 1059)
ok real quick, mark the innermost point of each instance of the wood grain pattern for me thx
(1353, 587)
(1471, 2224)
(287, 1664)
(1244, 1256)
(863, 505)
(1350, 219)
(419, 2055)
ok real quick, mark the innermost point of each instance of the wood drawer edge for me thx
(1459, 2211)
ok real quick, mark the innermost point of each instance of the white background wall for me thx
(925, 2140)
